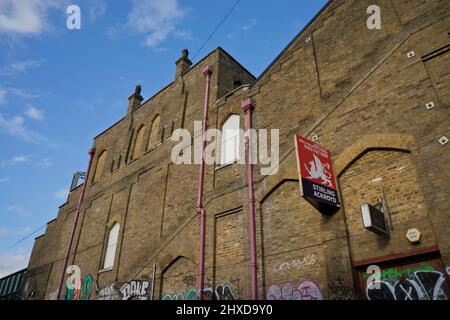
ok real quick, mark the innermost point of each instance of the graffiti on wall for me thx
(296, 264)
(340, 291)
(76, 287)
(139, 289)
(108, 292)
(305, 290)
(53, 295)
(422, 285)
(189, 279)
(223, 291)
(420, 281)
(27, 292)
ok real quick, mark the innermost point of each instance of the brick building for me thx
(378, 99)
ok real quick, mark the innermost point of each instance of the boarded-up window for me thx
(100, 166)
(137, 149)
(230, 140)
(153, 140)
(111, 246)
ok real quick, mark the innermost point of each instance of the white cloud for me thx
(19, 159)
(15, 126)
(26, 17)
(2, 96)
(61, 194)
(25, 231)
(4, 232)
(12, 262)
(97, 8)
(156, 19)
(4, 92)
(9, 232)
(34, 113)
(19, 66)
(19, 211)
(45, 163)
(244, 28)
(249, 26)
(22, 94)
(14, 161)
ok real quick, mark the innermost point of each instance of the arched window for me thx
(137, 149)
(100, 165)
(153, 140)
(229, 151)
(111, 246)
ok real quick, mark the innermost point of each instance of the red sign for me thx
(315, 168)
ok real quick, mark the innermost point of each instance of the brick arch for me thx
(154, 136)
(168, 260)
(227, 116)
(275, 187)
(173, 274)
(346, 158)
(116, 218)
(287, 172)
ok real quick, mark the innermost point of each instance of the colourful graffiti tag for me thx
(395, 273)
(305, 290)
(423, 285)
(221, 292)
(425, 280)
(80, 294)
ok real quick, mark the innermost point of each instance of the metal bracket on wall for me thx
(384, 207)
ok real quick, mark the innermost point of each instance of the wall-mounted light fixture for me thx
(373, 219)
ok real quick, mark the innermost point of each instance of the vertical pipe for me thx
(80, 200)
(200, 208)
(248, 106)
(153, 282)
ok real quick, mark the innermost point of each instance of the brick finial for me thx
(248, 105)
(135, 100)
(183, 63)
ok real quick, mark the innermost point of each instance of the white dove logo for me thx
(317, 171)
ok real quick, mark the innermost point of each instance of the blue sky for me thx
(59, 88)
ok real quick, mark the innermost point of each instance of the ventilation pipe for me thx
(248, 106)
(69, 247)
(200, 208)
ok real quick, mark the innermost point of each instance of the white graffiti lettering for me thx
(297, 264)
(135, 288)
(425, 285)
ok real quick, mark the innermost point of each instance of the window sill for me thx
(105, 270)
(223, 166)
(149, 150)
(133, 160)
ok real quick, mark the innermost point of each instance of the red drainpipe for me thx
(248, 106)
(200, 208)
(80, 200)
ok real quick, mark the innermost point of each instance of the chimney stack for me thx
(135, 100)
(183, 64)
